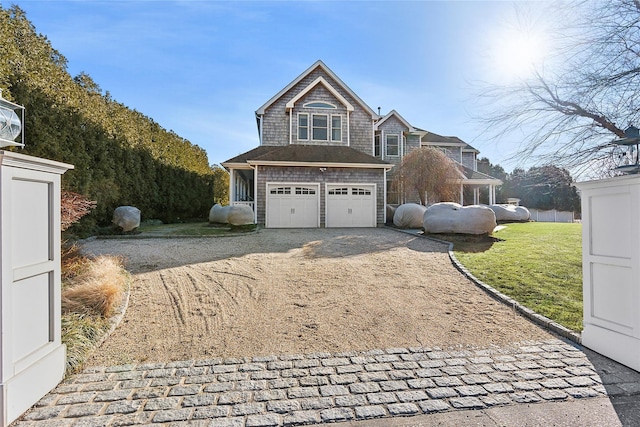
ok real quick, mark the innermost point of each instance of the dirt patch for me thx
(299, 291)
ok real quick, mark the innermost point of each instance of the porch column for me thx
(232, 186)
(255, 196)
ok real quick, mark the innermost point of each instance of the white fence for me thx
(551, 216)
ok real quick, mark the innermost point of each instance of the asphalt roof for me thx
(307, 154)
(471, 174)
(434, 137)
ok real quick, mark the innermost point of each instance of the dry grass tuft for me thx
(96, 288)
(72, 261)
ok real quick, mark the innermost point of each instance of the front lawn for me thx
(538, 264)
(193, 229)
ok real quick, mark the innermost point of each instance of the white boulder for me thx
(409, 215)
(453, 218)
(510, 213)
(239, 215)
(219, 214)
(126, 217)
(524, 213)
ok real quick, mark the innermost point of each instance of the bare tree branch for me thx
(569, 117)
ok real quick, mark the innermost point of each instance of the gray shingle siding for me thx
(413, 143)
(454, 153)
(393, 125)
(268, 174)
(468, 160)
(275, 122)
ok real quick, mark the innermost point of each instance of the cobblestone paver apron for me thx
(317, 388)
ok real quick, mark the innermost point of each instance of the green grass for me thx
(191, 229)
(537, 264)
(80, 333)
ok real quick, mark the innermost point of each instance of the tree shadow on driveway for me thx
(144, 255)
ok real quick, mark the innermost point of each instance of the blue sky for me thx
(202, 68)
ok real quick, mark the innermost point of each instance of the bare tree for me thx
(428, 173)
(569, 116)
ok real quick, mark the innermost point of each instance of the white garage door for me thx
(292, 206)
(351, 205)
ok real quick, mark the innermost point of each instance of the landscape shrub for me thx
(97, 289)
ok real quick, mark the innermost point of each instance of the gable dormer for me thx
(317, 108)
(390, 137)
(320, 115)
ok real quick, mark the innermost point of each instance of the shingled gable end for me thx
(321, 161)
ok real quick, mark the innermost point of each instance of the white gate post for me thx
(611, 267)
(32, 357)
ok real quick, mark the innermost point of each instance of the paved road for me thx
(289, 390)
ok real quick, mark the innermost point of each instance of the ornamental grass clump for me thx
(92, 288)
(96, 289)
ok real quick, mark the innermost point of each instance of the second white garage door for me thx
(350, 205)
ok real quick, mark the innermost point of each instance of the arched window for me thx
(319, 104)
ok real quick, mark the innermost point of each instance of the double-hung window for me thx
(303, 126)
(320, 129)
(393, 147)
(336, 128)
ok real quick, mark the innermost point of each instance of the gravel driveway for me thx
(299, 291)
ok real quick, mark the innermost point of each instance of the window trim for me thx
(377, 145)
(303, 127)
(397, 145)
(338, 128)
(320, 104)
(325, 128)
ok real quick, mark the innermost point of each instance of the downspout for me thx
(261, 116)
(383, 144)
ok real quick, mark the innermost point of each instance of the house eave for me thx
(331, 74)
(319, 81)
(319, 164)
(236, 165)
(399, 117)
(482, 181)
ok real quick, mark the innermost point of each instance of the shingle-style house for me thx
(325, 158)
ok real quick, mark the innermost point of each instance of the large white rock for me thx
(510, 213)
(453, 218)
(409, 215)
(219, 214)
(126, 217)
(240, 215)
(524, 213)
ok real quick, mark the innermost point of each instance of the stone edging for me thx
(114, 321)
(539, 319)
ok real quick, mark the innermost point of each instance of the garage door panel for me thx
(351, 205)
(292, 206)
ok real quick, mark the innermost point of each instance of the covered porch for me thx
(242, 183)
(472, 182)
